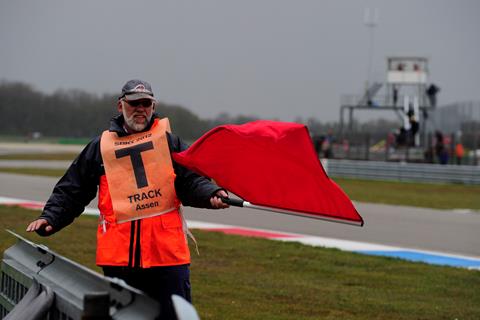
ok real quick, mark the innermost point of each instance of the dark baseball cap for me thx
(136, 90)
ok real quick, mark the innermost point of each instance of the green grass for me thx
(35, 171)
(429, 195)
(247, 278)
(40, 156)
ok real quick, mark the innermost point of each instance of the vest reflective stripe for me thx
(132, 164)
(162, 241)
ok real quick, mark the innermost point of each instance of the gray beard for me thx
(136, 126)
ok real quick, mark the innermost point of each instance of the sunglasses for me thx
(146, 103)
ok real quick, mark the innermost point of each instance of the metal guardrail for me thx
(401, 171)
(79, 292)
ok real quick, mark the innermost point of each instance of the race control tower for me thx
(407, 92)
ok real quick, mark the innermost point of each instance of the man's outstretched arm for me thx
(71, 194)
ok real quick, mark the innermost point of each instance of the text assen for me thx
(147, 205)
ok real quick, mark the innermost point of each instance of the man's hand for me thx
(39, 224)
(216, 202)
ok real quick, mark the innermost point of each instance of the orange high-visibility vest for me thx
(132, 165)
(139, 187)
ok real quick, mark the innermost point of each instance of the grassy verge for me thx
(35, 171)
(40, 156)
(429, 195)
(247, 278)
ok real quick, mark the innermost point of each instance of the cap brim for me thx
(138, 96)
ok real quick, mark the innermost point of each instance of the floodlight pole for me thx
(370, 20)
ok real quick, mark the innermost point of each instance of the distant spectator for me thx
(395, 95)
(327, 145)
(390, 142)
(414, 127)
(318, 142)
(440, 150)
(429, 155)
(401, 137)
(459, 152)
(443, 156)
(438, 142)
(431, 92)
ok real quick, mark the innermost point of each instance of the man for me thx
(141, 232)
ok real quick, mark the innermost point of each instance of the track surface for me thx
(407, 227)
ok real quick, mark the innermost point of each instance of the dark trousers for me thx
(158, 282)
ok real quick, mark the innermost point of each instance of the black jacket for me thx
(79, 185)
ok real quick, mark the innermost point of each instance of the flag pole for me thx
(246, 204)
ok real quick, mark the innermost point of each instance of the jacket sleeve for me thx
(192, 189)
(75, 189)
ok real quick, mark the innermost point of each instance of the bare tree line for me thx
(79, 114)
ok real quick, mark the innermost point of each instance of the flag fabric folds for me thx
(272, 164)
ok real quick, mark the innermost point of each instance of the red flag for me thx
(272, 164)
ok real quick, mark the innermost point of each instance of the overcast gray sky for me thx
(271, 58)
